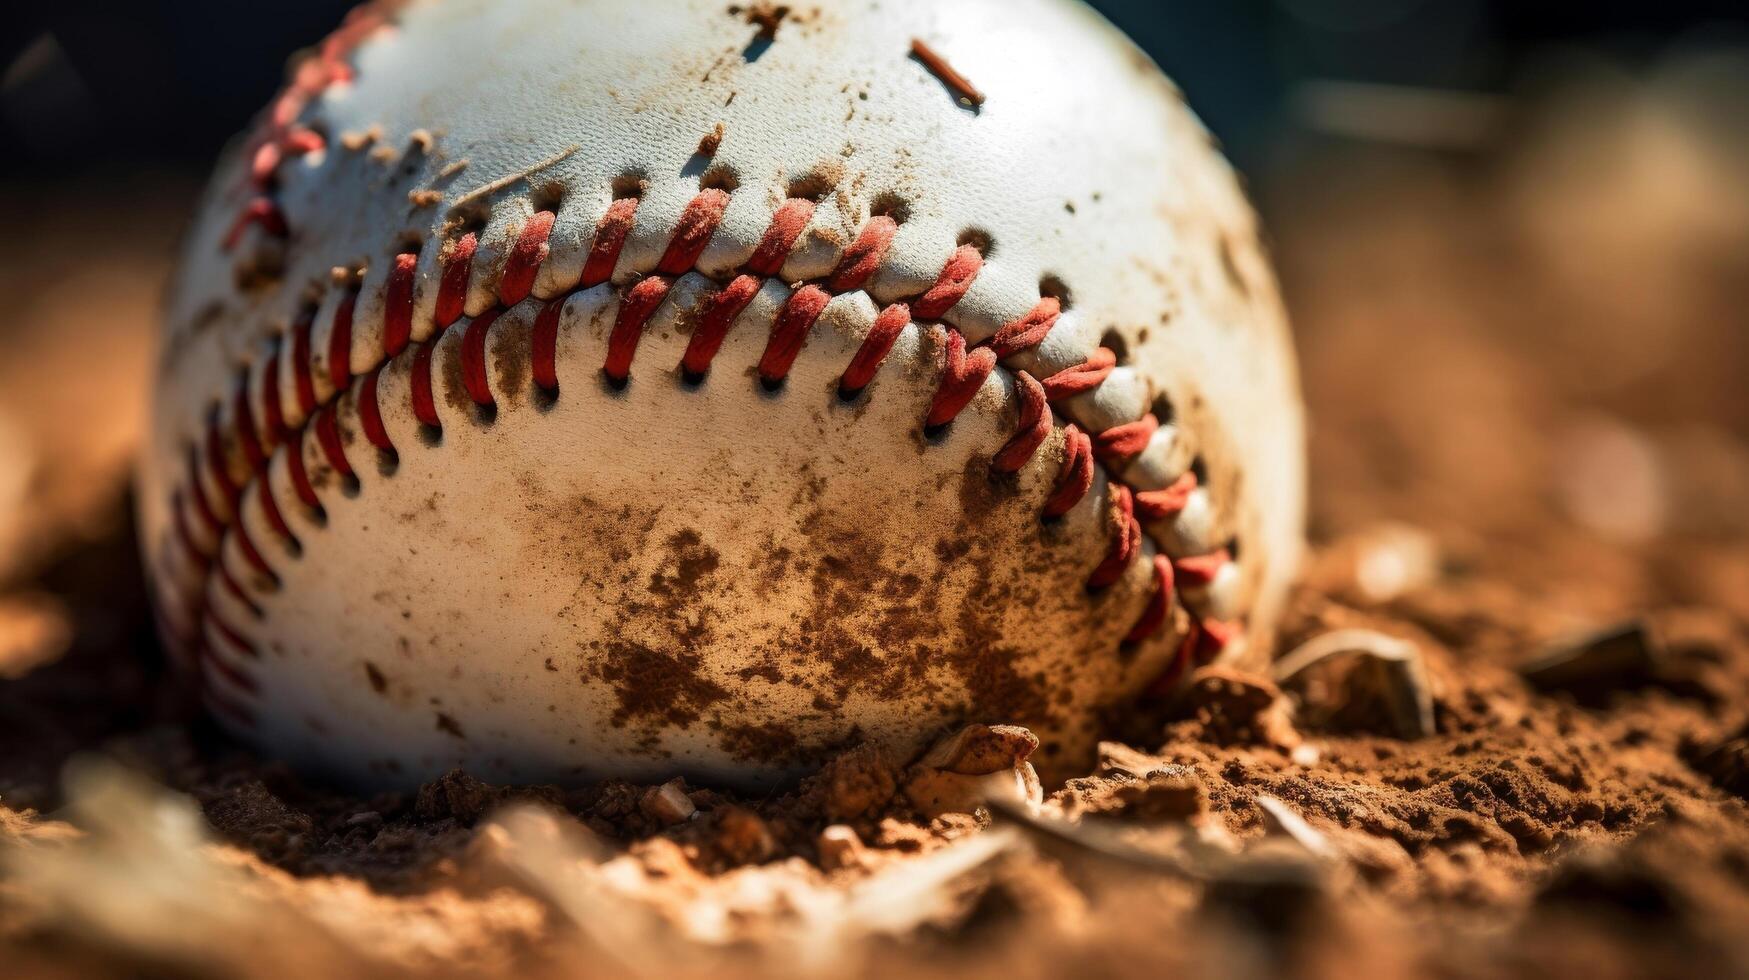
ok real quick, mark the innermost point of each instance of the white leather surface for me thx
(552, 536)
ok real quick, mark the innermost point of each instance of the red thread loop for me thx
(424, 399)
(1126, 540)
(270, 509)
(1076, 476)
(1161, 505)
(1198, 571)
(525, 258)
(1210, 638)
(271, 408)
(1032, 428)
(218, 463)
(1086, 376)
(240, 533)
(473, 356)
(328, 436)
(1153, 616)
(231, 636)
(875, 347)
(1028, 331)
(340, 343)
(245, 425)
(693, 231)
(790, 332)
(610, 237)
(635, 308)
(197, 490)
(259, 211)
(1121, 443)
(955, 278)
(962, 374)
(780, 236)
(370, 414)
(544, 345)
(303, 379)
(713, 323)
(452, 287)
(864, 255)
(300, 476)
(398, 304)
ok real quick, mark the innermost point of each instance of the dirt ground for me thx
(1528, 755)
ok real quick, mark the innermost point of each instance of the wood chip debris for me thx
(961, 87)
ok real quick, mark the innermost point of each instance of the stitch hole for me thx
(719, 178)
(979, 239)
(388, 461)
(812, 187)
(430, 436)
(773, 386)
(850, 396)
(612, 384)
(543, 399)
(349, 485)
(484, 415)
(629, 185)
(547, 197)
(1162, 408)
(935, 435)
(1053, 287)
(1113, 341)
(692, 380)
(408, 243)
(888, 204)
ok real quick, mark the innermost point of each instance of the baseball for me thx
(567, 390)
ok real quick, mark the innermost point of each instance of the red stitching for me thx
(217, 463)
(713, 323)
(962, 375)
(300, 477)
(259, 211)
(1031, 429)
(1200, 570)
(1124, 544)
(270, 508)
(1086, 376)
(693, 231)
(246, 545)
(1028, 331)
(635, 307)
(473, 358)
(1161, 505)
(271, 407)
(236, 675)
(1159, 602)
(1076, 476)
(864, 255)
(964, 370)
(790, 331)
(544, 345)
(370, 414)
(301, 377)
(424, 400)
(452, 288)
(610, 237)
(398, 304)
(340, 343)
(247, 434)
(956, 276)
(875, 347)
(232, 586)
(780, 236)
(1122, 443)
(523, 263)
(232, 635)
(328, 437)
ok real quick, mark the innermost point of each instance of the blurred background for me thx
(1514, 238)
